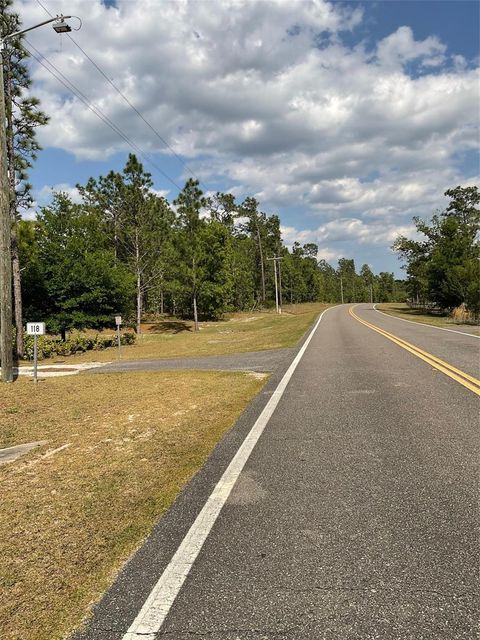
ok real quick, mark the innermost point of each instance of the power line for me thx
(58, 75)
(132, 106)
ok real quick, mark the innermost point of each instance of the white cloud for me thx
(246, 93)
(401, 47)
(44, 195)
(161, 193)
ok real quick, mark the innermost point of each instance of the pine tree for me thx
(23, 117)
(189, 203)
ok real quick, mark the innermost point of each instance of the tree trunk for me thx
(115, 236)
(16, 271)
(63, 334)
(161, 302)
(195, 314)
(262, 267)
(17, 294)
(139, 283)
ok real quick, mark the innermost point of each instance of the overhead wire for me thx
(128, 102)
(70, 86)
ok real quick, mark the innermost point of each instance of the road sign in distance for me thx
(118, 319)
(35, 328)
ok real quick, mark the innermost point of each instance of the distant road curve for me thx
(390, 315)
(467, 380)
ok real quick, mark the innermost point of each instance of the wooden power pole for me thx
(6, 332)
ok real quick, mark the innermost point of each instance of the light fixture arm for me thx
(59, 18)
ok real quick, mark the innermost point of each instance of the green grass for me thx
(239, 332)
(402, 310)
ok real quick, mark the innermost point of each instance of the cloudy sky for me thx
(345, 118)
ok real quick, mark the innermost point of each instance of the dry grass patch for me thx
(71, 515)
(402, 310)
(239, 332)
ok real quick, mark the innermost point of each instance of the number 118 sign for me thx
(35, 329)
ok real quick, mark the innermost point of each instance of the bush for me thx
(48, 346)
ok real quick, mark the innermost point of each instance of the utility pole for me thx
(6, 331)
(280, 285)
(275, 260)
(6, 319)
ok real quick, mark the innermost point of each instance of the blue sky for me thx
(345, 118)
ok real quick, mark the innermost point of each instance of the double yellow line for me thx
(459, 376)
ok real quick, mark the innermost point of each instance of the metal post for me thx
(35, 359)
(118, 342)
(6, 333)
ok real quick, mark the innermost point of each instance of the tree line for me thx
(443, 267)
(126, 250)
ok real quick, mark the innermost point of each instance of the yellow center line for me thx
(468, 381)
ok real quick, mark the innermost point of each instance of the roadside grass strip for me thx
(237, 333)
(114, 450)
(402, 312)
(468, 381)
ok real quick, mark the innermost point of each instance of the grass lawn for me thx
(401, 310)
(72, 515)
(239, 332)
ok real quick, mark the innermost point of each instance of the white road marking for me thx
(155, 609)
(424, 324)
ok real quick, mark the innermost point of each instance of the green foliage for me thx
(444, 268)
(48, 346)
(80, 283)
(23, 115)
(123, 249)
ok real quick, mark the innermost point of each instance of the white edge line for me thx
(424, 324)
(156, 607)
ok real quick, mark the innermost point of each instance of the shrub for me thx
(48, 346)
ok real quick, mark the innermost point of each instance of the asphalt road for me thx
(259, 361)
(355, 516)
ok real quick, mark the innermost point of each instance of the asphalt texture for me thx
(10, 454)
(355, 517)
(259, 361)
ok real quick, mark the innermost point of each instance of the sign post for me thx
(118, 322)
(35, 329)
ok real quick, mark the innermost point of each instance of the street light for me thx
(61, 26)
(6, 333)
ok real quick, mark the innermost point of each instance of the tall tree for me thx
(445, 266)
(189, 203)
(255, 226)
(83, 285)
(346, 271)
(23, 116)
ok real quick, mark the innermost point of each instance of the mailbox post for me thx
(35, 329)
